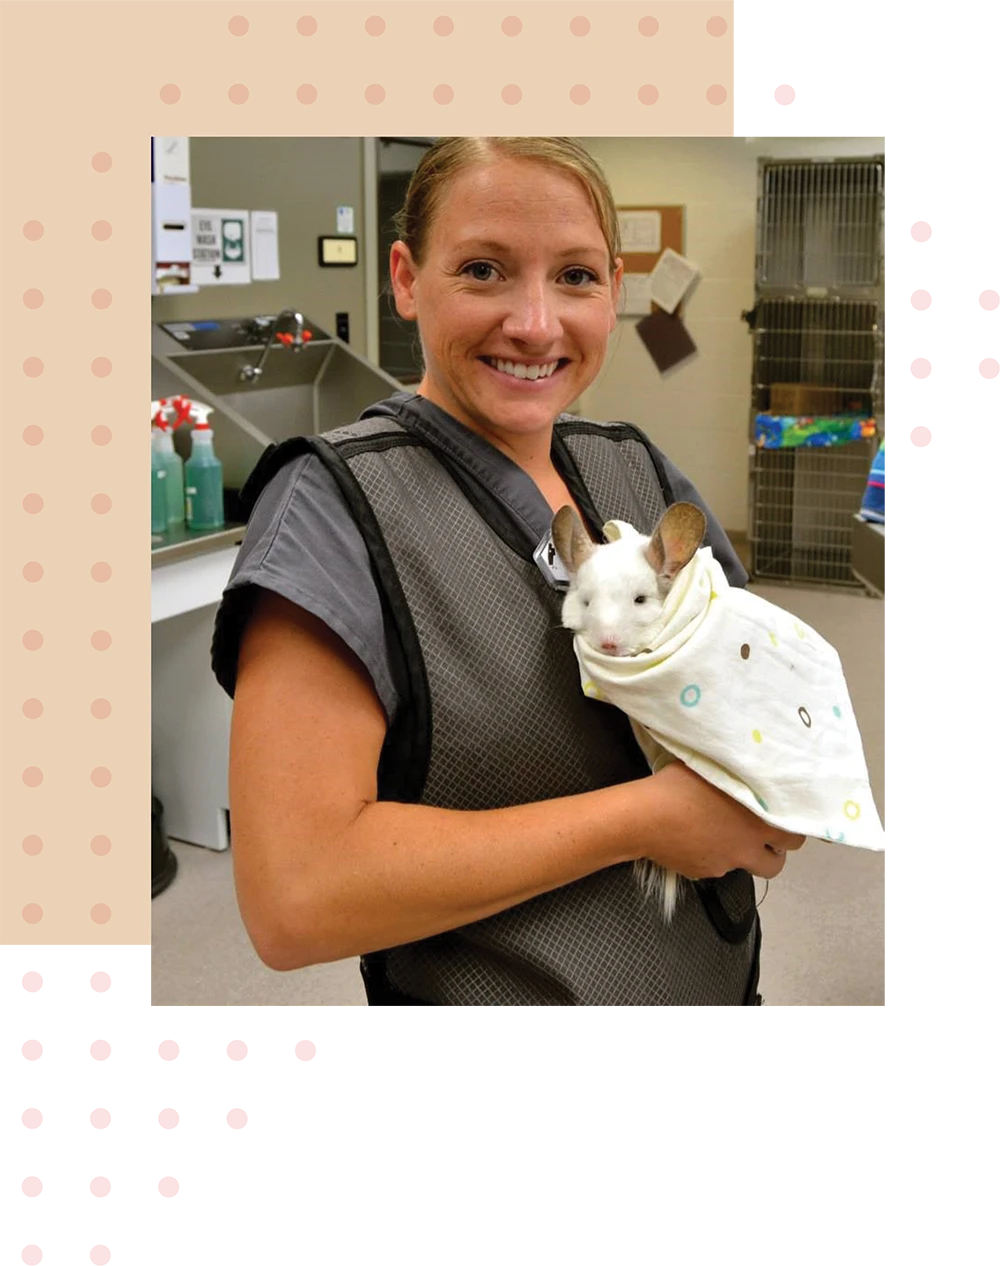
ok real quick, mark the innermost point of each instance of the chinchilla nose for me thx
(610, 644)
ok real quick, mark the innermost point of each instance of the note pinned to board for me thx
(637, 294)
(640, 232)
(671, 279)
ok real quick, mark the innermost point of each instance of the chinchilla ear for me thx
(676, 539)
(570, 538)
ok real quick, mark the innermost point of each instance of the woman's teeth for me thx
(518, 370)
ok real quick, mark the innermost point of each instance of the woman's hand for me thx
(706, 833)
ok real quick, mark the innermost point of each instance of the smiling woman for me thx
(416, 776)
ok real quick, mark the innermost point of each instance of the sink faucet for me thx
(250, 373)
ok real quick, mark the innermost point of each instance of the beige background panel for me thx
(79, 80)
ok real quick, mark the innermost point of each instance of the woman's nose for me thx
(533, 316)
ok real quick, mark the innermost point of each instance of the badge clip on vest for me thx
(549, 563)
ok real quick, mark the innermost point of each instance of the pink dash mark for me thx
(925, 434)
(979, 232)
(896, 96)
(951, 299)
(927, 367)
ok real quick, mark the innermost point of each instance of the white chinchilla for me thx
(615, 602)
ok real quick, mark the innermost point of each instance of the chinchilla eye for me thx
(639, 599)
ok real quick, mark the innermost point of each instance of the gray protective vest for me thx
(493, 715)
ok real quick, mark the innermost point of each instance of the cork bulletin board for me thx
(671, 235)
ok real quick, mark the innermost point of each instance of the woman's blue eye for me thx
(583, 276)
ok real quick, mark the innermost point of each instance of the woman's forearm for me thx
(403, 872)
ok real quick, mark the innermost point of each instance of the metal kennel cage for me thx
(818, 322)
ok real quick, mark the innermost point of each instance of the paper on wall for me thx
(640, 232)
(671, 279)
(264, 245)
(220, 247)
(637, 294)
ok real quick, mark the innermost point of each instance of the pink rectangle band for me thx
(967, 434)
(860, 96)
(951, 299)
(976, 232)
(976, 367)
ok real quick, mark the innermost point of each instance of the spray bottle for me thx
(163, 446)
(158, 490)
(203, 475)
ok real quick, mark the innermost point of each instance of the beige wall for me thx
(304, 179)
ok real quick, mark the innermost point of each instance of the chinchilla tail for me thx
(658, 885)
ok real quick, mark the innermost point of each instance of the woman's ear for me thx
(403, 274)
(616, 289)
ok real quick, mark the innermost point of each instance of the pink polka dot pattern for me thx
(100, 367)
(306, 94)
(100, 572)
(236, 1119)
(375, 26)
(100, 846)
(443, 26)
(305, 1050)
(32, 1050)
(99, 1186)
(170, 94)
(237, 1050)
(444, 94)
(579, 27)
(169, 1050)
(920, 368)
(716, 95)
(100, 1255)
(307, 26)
(168, 1187)
(32, 503)
(100, 1118)
(32, 1186)
(100, 640)
(31, 1118)
(989, 368)
(648, 26)
(33, 299)
(716, 26)
(920, 231)
(33, 230)
(32, 640)
(784, 94)
(920, 436)
(374, 94)
(511, 26)
(32, 913)
(239, 94)
(579, 94)
(100, 230)
(32, 572)
(169, 1118)
(101, 299)
(511, 94)
(649, 94)
(32, 709)
(32, 845)
(921, 300)
(32, 777)
(100, 709)
(100, 913)
(238, 26)
(31, 981)
(100, 503)
(101, 162)
(31, 1255)
(33, 367)
(100, 982)
(100, 1050)
(101, 435)
(989, 299)
(32, 435)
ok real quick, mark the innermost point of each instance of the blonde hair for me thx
(450, 155)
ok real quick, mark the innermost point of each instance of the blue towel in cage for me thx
(875, 503)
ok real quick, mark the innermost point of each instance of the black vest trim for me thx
(405, 756)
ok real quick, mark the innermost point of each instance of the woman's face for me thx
(515, 298)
